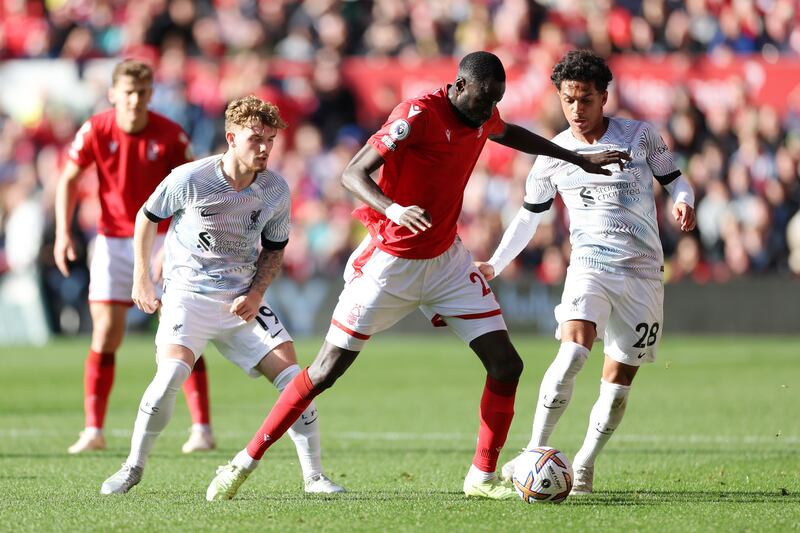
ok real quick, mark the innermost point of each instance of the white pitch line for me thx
(396, 436)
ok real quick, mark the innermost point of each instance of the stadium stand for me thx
(736, 135)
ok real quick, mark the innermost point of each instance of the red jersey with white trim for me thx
(129, 166)
(428, 158)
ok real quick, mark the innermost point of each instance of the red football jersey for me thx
(429, 155)
(129, 166)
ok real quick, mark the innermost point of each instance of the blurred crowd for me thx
(743, 162)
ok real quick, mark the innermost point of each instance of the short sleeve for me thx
(80, 151)
(182, 151)
(169, 197)
(275, 234)
(539, 188)
(404, 127)
(659, 157)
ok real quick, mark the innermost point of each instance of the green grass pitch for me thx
(710, 442)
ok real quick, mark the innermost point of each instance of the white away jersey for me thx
(613, 223)
(217, 232)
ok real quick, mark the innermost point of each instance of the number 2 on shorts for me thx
(477, 278)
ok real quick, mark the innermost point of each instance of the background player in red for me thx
(133, 149)
(413, 259)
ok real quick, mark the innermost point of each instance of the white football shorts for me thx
(192, 320)
(111, 269)
(628, 312)
(380, 289)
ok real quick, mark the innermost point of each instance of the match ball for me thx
(542, 475)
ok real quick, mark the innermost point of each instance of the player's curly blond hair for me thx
(245, 111)
(137, 70)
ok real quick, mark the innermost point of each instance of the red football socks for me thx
(294, 399)
(196, 390)
(496, 412)
(98, 377)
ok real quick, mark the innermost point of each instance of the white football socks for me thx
(156, 406)
(305, 431)
(475, 475)
(243, 460)
(606, 416)
(555, 391)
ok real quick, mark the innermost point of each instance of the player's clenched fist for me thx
(413, 217)
(144, 296)
(684, 215)
(486, 269)
(245, 307)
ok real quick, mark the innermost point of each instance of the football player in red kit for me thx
(413, 258)
(133, 149)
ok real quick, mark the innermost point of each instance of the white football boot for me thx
(507, 472)
(322, 484)
(87, 441)
(494, 489)
(584, 475)
(226, 483)
(200, 440)
(124, 480)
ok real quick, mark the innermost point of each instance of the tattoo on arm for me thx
(268, 265)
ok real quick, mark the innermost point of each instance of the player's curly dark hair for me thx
(481, 66)
(244, 111)
(582, 65)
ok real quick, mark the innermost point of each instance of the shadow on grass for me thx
(651, 497)
(616, 498)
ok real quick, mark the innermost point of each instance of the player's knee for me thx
(507, 366)
(569, 361)
(514, 368)
(106, 336)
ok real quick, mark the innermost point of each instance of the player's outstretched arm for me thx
(357, 179)
(65, 204)
(143, 293)
(526, 141)
(268, 265)
(516, 237)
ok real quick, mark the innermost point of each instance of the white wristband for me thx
(394, 212)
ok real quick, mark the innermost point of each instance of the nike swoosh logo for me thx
(276, 333)
(309, 422)
(205, 213)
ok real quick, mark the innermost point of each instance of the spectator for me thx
(741, 157)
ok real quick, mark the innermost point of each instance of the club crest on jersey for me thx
(447, 133)
(112, 146)
(354, 314)
(153, 150)
(254, 216)
(399, 129)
